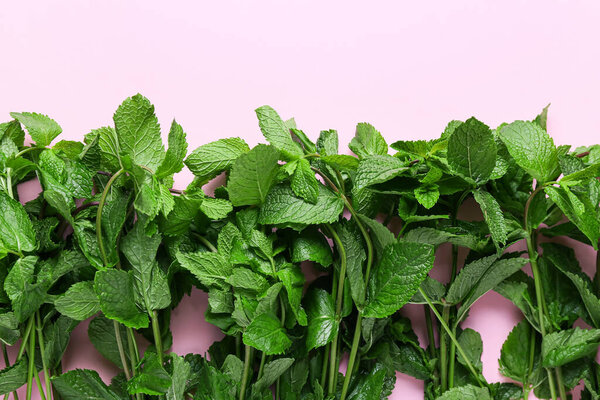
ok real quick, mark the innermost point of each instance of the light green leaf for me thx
(311, 245)
(216, 208)
(212, 269)
(252, 176)
(16, 229)
(293, 280)
(341, 162)
(82, 384)
(25, 296)
(138, 132)
(427, 195)
(179, 378)
(322, 324)
(494, 218)
(153, 379)
(173, 161)
(41, 128)
(282, 207)
(398, 276)
(472, 151)
(266, 334)
(328, 143)
(368, 141)
(377, 169)
(108, 146)
(248, 281)
(277, 133)
(559, 348)
(467, 392)
(209, 160)
(273, 370)
(304, 183)
(101, 332)
(532, 149)
(13, 377)
(79, 302)
(115, 289)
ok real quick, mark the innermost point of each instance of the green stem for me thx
(9, 183)
(38, 383)
(526, 386)
(430, 334)
(121, 349)
(559, 381)
(31, 356)
(443, 348)
(261, 367)
(43, 356)
(238, 345)
(451, 361)
(157, 337)
(206, 242)
(324, 364)
(453, 338)
(246, 373)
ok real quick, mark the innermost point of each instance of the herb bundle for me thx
(108, 238)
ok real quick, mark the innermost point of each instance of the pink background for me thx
(406, 67)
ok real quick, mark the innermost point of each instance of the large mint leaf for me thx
(282, 207)
(116, 292)
(41, 128)
(16, 230)
(209, 160)
(212, 269)
(252, 176)
(471, 343)
(514, 356)
(150, 281)
(304, 183)
(266, 334)
(25, 296)
(402, 268)
(138, 132)
(272, 371)
(152, 380)
(173, 161)
(79, 302)
(559, 348)
(494, 218)
(277, 133)
(468, 278)
(354, 247)
(311, 245)
(293, 280)
(367, 141)
(101, 332)
(83, 384)
(532, 148)
(13, 377)
(371, 385)
(472, 151)
(322, 324)
(102, 143)
(374, 169)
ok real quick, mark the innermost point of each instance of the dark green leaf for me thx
(82, 384)
(252, 176)
(559, 348)
(115, 289)
(101, 332)
(304, 183)
(322, 324)
(173, 161)
(79, 302)
(13, 377)
(472, 151)
(266, 334)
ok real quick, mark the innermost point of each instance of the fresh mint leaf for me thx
(493, 216)
(373, 169)
(467, 392)
(212, 269)
(209, 160)
(266, 334)
(115, 289)
(252, 176)
(138, 132)
(311, 245)
(304, 183)
(322, 323)
(173, 161)
(514, 356)
(368, 141)
(215, 208)
(79, 302)
(293, 280)
(277, 133)
(272, 371)
(101, 332)
(559, 348)
(42, 129)
(472, 151)
(532, 148)
(13, 377)
(471, 343)
(83, 384)
(427, 195)
(398, 276)
(16, 230)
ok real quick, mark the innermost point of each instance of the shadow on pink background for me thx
(406, 67)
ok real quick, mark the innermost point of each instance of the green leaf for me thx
(266, 334)
(9, 328)
(179, 378)
(591, 171)
(108, 147)
(434, 290)
(471, 343)
(13, 377)
(467, 392)
(25, 296)
(468, 278)
(150, 281)
(16, 229)
(215, 208)
(370, 385)
(138, 132)
(304, 183)
(514, 356)
(375, 169)
(41, 128)
(367, 141)
(79, 302)
(532, 149)
(472, 151)
(209, 160)
(173, 161)
(571, 206)
(101, 332)
(492, 213)
(427, 195)
(252, 176)
(153, 379)
(282, 207)
(311, 245)
(328, 143)
(559, 348)
(115, 289)
(212, 269)
(12, 131)
(248, 281)
(398, 276)
(499, 271)
(277, 133)
(272, 370)
(82, 384)
(293, 280)
(341, 162)
(354, 248)
(322, 323)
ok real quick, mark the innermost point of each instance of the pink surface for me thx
(407, 68)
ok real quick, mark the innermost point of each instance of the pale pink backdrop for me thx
(406, 67)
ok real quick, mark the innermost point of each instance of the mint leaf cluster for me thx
(307, 254)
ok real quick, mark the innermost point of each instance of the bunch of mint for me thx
(109, 238)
